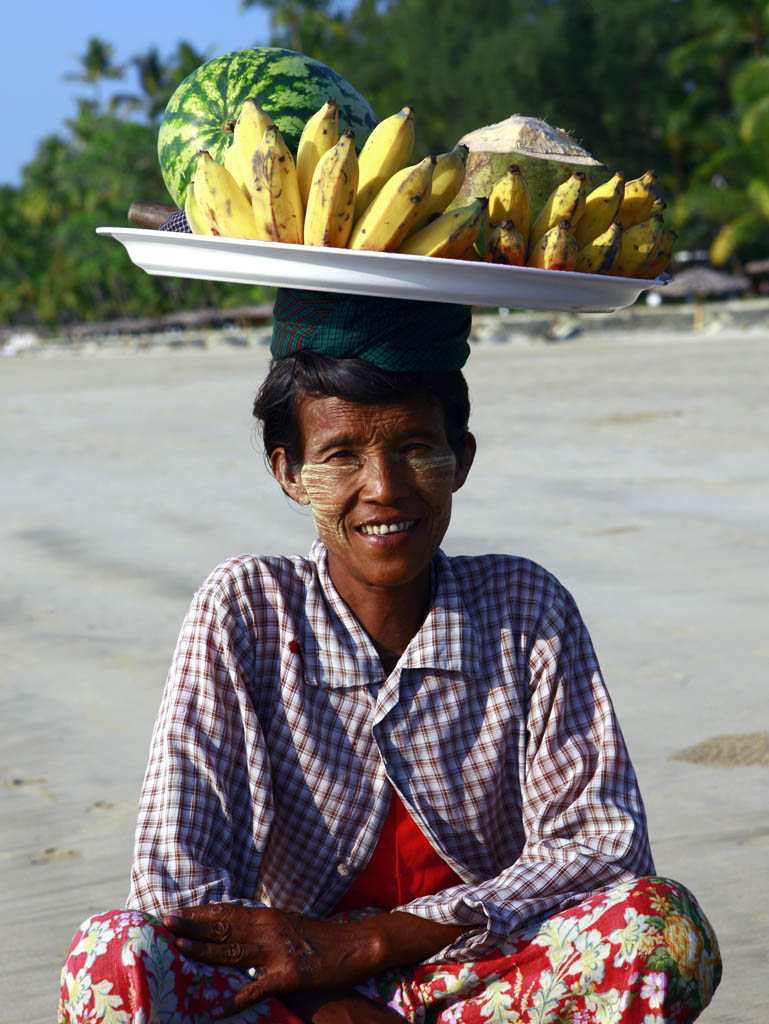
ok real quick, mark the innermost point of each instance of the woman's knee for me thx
(684, 946)
(106, 963)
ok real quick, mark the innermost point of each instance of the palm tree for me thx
(96, 66)
(729, 192)
(724, 120)
(294, 22)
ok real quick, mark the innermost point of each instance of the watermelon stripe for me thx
(288, 85)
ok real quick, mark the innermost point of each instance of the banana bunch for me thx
(331, 195)
(617, 228)
(380, 199)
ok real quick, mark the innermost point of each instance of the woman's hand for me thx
(292, 953)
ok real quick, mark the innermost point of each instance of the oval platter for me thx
(388, 275)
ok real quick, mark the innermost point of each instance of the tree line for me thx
(678, 85)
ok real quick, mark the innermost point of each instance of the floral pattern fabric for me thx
(642, 953)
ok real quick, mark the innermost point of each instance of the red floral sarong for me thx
(642, 953)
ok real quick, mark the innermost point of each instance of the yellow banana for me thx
(387, 149)
(249, 131)
(601, 207)
(275, 198)
(471, 255)
(640, 245)
(388, 218)
(637, 202)
(328, 218)
(600, 255)
(319, 135)
(449, 235)
(510, 199)
(661, 260)
(556, 249)
(566, 202)
(506, 244)
(197, 222)
(221, 200)
(233, 165)
(448, 178)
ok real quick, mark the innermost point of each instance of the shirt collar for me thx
(337, 651)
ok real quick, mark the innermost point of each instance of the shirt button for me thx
(342, 869)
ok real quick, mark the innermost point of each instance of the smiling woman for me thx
(385, 783)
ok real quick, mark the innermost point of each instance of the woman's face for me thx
(379, 478)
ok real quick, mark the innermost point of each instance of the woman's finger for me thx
(211, 912)
(212, 930)
(228, 954)
(242, 999)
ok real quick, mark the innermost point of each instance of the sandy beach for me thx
(636, 468)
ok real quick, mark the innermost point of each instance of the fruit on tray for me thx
(390, 215)
(319, 135)
(330, 209)
(637, 199)
(289, 87)
(599, 255)
(601, 208)
(388, 149)
(450, 234)
(375, 199)
(447, 180)
(566, 202)
(506, 244)
(250, 126)
(546, 156)
(640, 245)
(220, 200)
(278, 212)
(556, 249)
(510, 199)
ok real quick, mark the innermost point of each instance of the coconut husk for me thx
(546, 155)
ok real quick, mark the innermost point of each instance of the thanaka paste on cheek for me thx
(322, 482)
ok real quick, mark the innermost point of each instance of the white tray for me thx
(390, 275)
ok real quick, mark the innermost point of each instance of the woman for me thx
(385, 783)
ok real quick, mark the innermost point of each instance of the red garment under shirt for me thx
(402, 867)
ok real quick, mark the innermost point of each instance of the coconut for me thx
(546, 155)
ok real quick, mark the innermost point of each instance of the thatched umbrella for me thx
(701, 281)
(697, 282)
(757, 267)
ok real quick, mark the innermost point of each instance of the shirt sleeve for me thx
(582, 812)
(207, 785)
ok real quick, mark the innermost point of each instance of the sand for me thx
(635, 468)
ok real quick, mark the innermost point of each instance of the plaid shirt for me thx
(279, 737)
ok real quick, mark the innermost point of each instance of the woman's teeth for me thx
(378, 529)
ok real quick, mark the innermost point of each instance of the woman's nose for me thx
(385, 480)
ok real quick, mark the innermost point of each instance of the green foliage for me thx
(53, 265)
(679, 86)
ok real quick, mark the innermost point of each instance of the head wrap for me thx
(394, 334)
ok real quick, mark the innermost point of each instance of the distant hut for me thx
(758, 272)
(700, 281)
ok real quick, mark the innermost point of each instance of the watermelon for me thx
(287, 85)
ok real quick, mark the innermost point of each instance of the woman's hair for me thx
(312, 374)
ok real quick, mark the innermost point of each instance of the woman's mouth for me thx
(385, 529)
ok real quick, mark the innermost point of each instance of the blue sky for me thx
(43, 39)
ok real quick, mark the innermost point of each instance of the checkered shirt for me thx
(280, 736)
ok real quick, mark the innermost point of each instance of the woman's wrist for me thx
(401, 939)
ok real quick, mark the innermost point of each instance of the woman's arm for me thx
(292, 954)
(582, 826)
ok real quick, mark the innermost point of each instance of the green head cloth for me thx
(394, 334)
